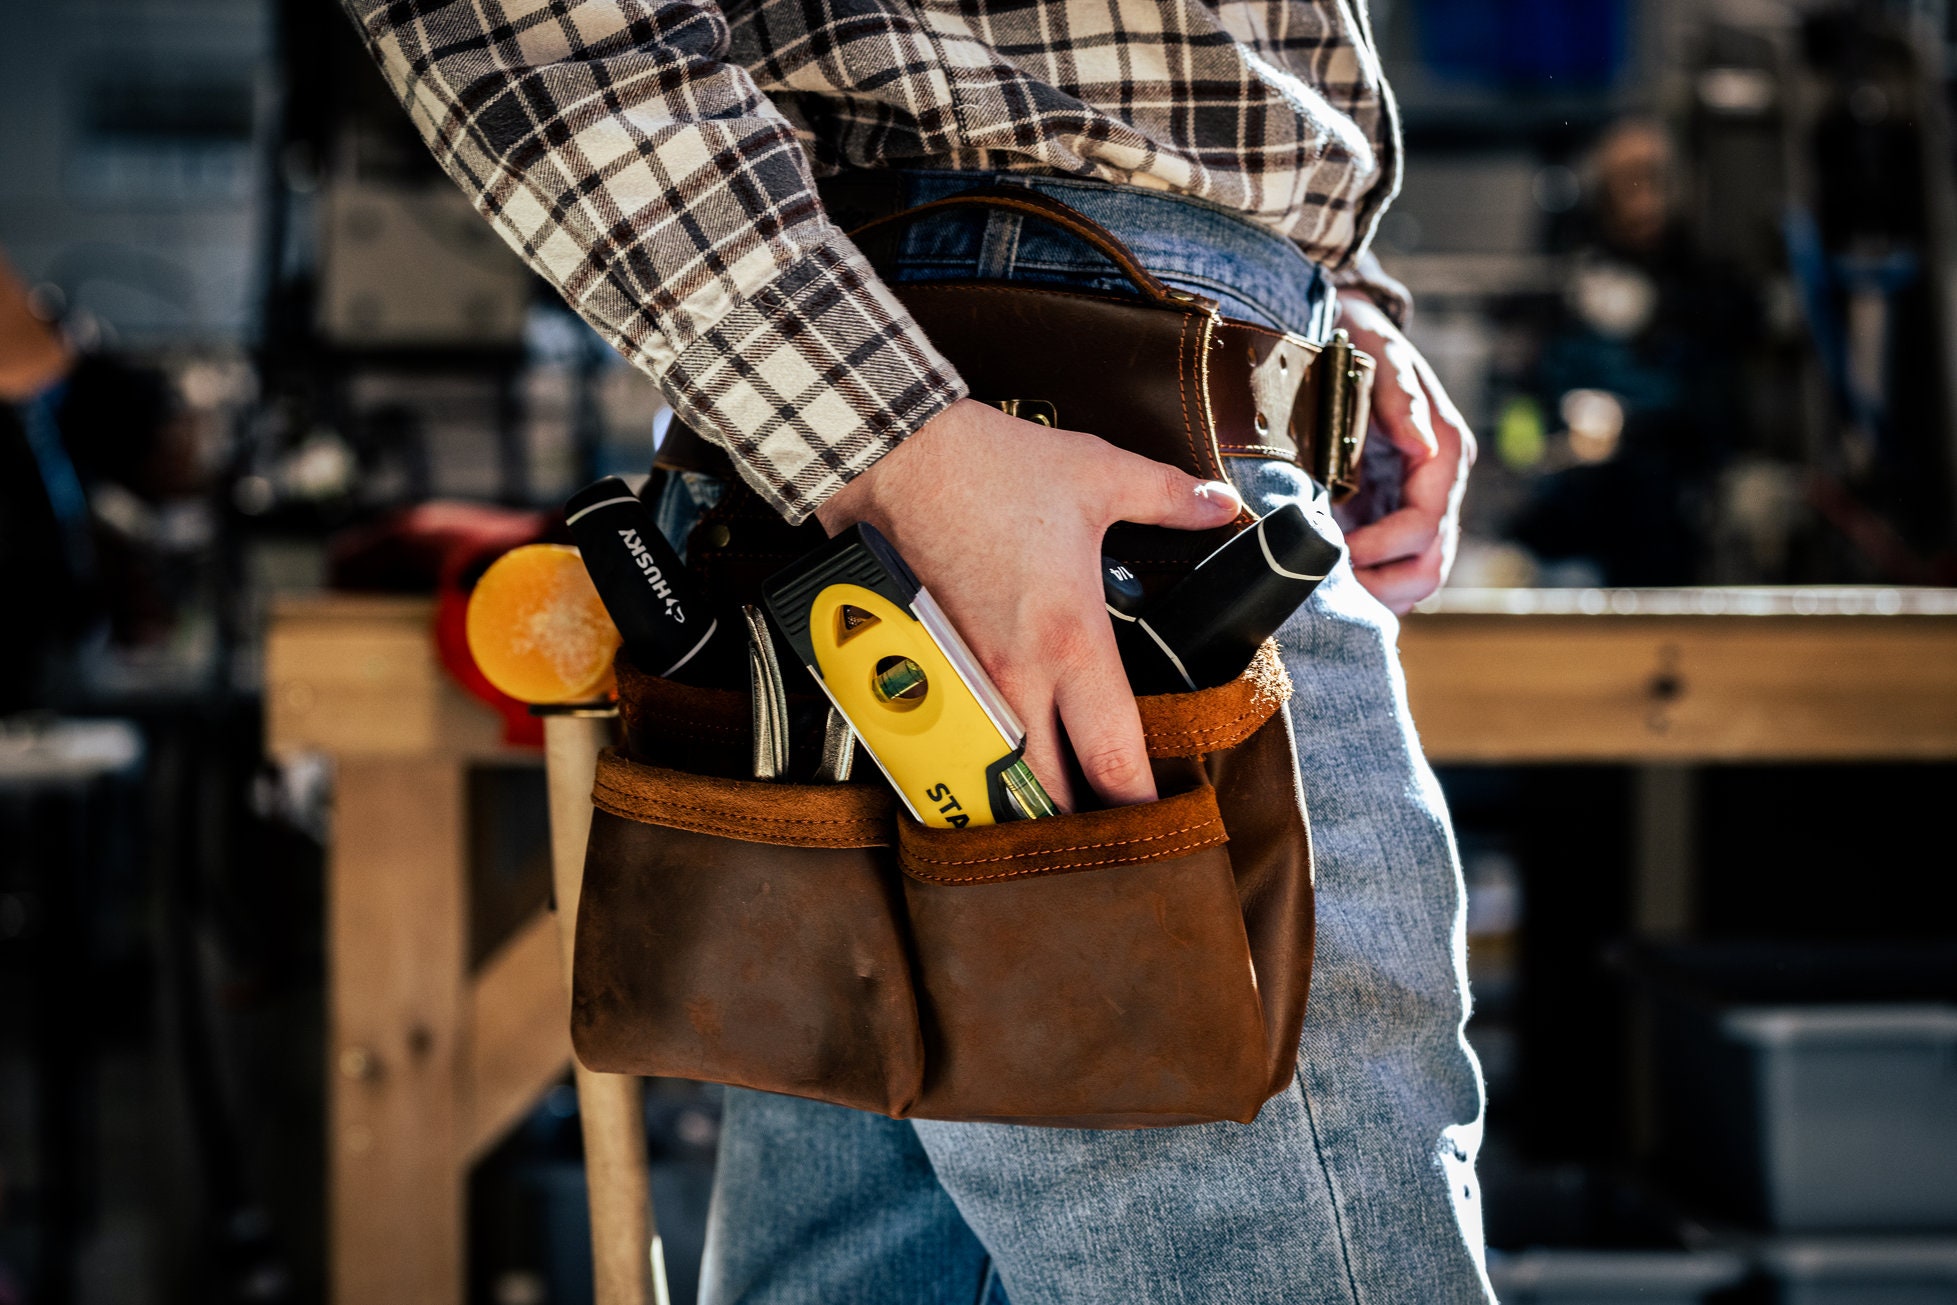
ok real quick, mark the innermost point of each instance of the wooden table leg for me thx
(397, 903)
(628, 1267)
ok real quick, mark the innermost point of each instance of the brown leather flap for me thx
(1087, 840)
(787, 815)
(1117, 367)
(1210, 720)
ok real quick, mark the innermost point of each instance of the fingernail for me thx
(1221, 489)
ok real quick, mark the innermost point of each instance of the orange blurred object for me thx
(537, 629)
(33, 354)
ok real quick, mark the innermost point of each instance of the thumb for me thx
(1154, 493)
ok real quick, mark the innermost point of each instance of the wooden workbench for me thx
(430, 1062)
(1684, 675)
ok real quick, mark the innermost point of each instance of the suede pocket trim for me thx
(1087, 840)
(1211, 720)
(748, 811)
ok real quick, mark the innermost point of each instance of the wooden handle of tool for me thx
(627, 1263)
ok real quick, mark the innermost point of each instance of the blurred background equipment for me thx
(275, 980)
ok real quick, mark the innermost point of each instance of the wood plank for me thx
(519, 1040)
(1606, 688)
(397, 960)
(358, 677)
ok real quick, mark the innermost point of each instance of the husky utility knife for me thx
(891, 662)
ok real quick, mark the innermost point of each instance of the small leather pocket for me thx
(745, 933)
(1087, 969)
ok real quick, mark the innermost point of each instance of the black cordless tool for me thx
(1205, 630)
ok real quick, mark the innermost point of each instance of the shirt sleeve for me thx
(613, 145)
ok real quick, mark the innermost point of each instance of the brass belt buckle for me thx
(1033, 410)
(1345, 408)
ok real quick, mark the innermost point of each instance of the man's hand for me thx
(1405, 555)
(1002, 520)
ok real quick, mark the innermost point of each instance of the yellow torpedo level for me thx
(916, 696)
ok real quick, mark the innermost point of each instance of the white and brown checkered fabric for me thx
(654, 159)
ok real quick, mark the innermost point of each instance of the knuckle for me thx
(1171, 482)
(1084, 445)
(1010, 678)
(1066, 642)
(1117, 768)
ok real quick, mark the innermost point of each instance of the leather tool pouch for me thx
(1119, 968)
(1131, 967)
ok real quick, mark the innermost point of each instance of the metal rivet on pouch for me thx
(716, 536)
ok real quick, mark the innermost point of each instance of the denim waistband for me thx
(1252, 272)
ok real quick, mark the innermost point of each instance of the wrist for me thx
(866, 496)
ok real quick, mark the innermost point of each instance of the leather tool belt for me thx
(1132, 967)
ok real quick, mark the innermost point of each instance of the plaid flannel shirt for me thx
(655, 161)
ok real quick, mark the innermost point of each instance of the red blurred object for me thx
(413, 551)
(443, 548)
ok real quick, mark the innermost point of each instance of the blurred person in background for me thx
(92, 448)
(1639, 361)
(47, 555)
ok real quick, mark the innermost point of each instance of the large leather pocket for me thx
(1124, 968)
(745, 933)
(1088, 969)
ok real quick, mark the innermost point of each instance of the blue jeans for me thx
(1355, 1184)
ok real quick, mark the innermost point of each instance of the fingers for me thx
(1396, 536)
(1102, 723)
(1156, 494)
(1448, 421)
(1401, 406)
(1431, 498)
(1027, 681)
(1043, 750)
(1399, 585)
(1405, 556)
(1073, 687)
(1409, 403)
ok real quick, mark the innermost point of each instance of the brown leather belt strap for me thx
(1278, 395)
(1269, 390)
(1273, 394)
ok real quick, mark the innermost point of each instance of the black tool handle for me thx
(669, 627)
(1204, 631)
(1121, 589)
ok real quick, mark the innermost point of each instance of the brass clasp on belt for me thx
(1345, 408)
(1034, 410)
